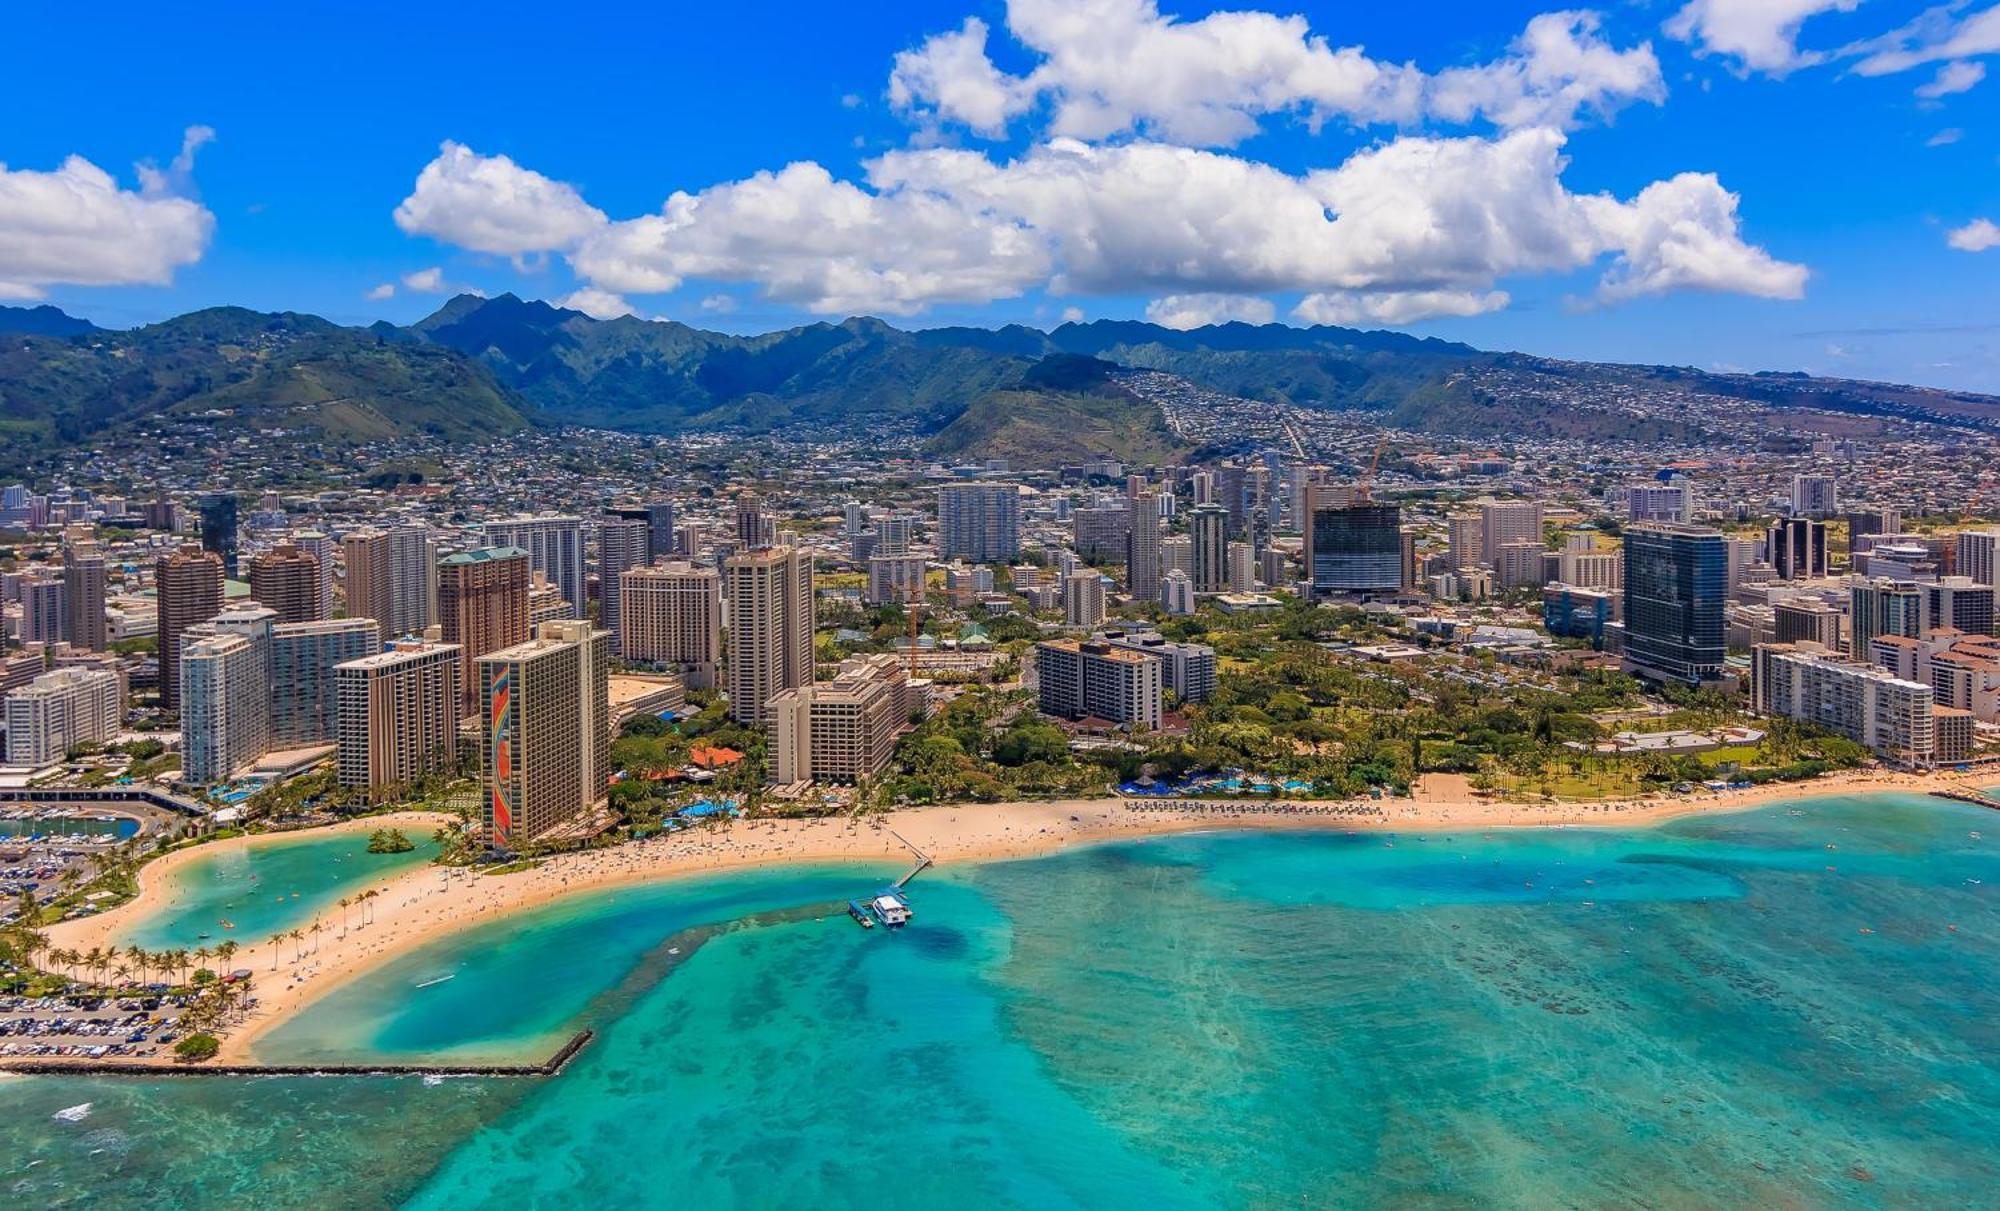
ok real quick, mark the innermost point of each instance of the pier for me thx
(552, 1066)
(923, 860)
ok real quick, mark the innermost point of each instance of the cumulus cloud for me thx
(1072, 315)
(1976, 236)
(1349, 307)
(1114, 67)
(386, 290)
(719, 304)
(1953, 78)
(77, 226)
(1760, 35)
(597, 304)
(426, 281)
(1945, 137)
(1185, 311)
(491, 204)
(1938, 35)
(1436, 222)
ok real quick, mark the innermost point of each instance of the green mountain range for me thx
(480, 368)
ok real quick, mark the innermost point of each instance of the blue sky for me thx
(1494, 172)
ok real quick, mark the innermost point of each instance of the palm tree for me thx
(344, 902)
(123, 973)
(297, 936)
(93, 959)
(143, 961)
(316, 930)
(201, 954)
(226, 952)
(275, 939)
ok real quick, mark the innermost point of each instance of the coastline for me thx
(427, 903)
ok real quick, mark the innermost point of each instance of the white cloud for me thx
(426, 281)
(595, 303)
(1681, 234)
(490, 204)
(1945, 137)
(1072, 315)
(1185, 311)
(76, 226)
(1113, 67)
(1761, 35)
(386, 290)
(719, 304)
(1976, 236)
(1938, 35)
(1348, 307)
(1953, 78)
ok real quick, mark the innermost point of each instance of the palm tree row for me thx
(111, 964)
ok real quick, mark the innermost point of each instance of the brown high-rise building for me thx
(286, 579)
(482, 607)
(366, 558)
(546, 723)
(398, 715)
(83, 595)
(770, 627)
(188, 584)
(672, 614)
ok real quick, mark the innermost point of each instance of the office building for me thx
(1083, 599)
(1577, 612)
(622, 544)
(1815, 496)
(304, 697)
(1883, 607)
(555, 549)
(1796, 548)
(397, 714)
(1353, 547)
(1092, 679)
(1676, 587)
(44, 611)
(1208, 534)
(770, 596)
(841, 730)
(84, 586)
(1188, 669)
(1143, 566)
(188, 587)
(61, 709)
(483, 606)
(286, 579)
(979, 523)
(1978, 556)
(671, 615)
(218, 529)
(546, 744)
(1864, 703)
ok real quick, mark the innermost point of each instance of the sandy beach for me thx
(424, 904)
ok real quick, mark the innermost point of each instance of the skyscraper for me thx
(1506, 522)
(659, 518)
(1979, 556)
(1882, 607)
(1796, 547)
(1208, 527)
(322, 548)
(286, 579)
(672, 614)
(770, 594)
(304, 696)
(188, 585)
(1083, 598)
(979, 523)
(84, 583)
(218, 529)
(483, 606)
(754, 527)
(622, 544)
(225, 705)
(1142, 544)
(1815, 496)
(1352, 547)
(1676, 589)
(555, 549)
(546, 748)
(392, 577)
(44, 610)
(398, 715)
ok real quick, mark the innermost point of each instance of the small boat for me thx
(860, 914)
(891, 910)
(438, 979)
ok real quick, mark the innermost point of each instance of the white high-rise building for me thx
(1177, 593)
(622, 544)
(555, 549)
(1815, 496)
(60, 709)
(1979, 556)
(671, 614)
(1652, 500)
(980, 523)
(225, 705)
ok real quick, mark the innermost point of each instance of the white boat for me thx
(438, 979)
(890, 909)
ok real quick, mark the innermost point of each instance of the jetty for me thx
(923, 860)
(1966, 797)
(552, 1066)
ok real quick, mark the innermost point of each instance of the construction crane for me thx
(1362, 486)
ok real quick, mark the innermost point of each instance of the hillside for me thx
(42, 321)
(1063, 410)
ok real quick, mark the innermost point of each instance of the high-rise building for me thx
(392, 577)
(1242, 567)
(1815, 496)
(1465, 541)
(754, 527)
(84, 586)
(1188, 669)
(1883, 607)
(286, 579)
(483, 606)
(218, 529)
(893, 536)
(555, 549)
(1505, 522)
(1143, 568)
(671, 614)
(61, 709)
(398, 715)
(1083, 598)
(1654, 500)
(1177, 553)
(659, 518)
(304, 695)
(1574, 612)
(979, 523)
(622, 544)
(1979, 556)
(188, 585)
(1090, 678)
(546, 746)
(841, 730)
(44, 610)
(1959, 603)
(1676, 590)
(1208, 528)
(1352, 547)
(1177, 595)
(1099, 532)
(1796, 548)
(225, 698)
(1869, 522)
(770, 595)
(895, 579)
(1807, 622)
(1864, 703)
(322, 548)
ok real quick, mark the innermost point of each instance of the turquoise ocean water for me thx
(276, 885)
(1791, 1007)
